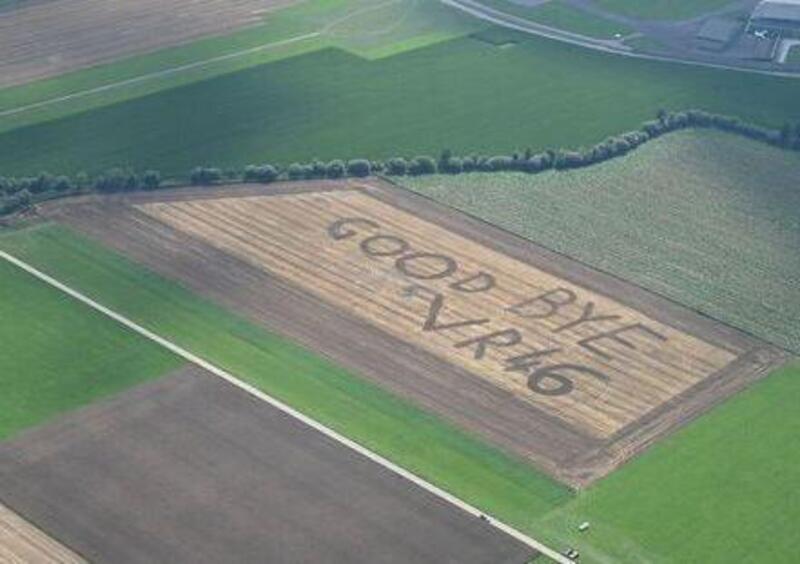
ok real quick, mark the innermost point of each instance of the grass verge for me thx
(59, 355)
(662, 9)
(721, 490)
(560, 15)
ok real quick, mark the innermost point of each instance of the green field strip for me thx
(724, 489)
(662, 9)
(419, 442)
(706, 218)
(58, 355)
(464, 94)
(645, 44)
(560, 15)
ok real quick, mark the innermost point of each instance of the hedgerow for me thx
(18, 194)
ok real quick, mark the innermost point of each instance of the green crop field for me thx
(663, 9)
(561, 15)
(465, 94)
(724, 489)
(361, 411)
(705, 218)
(59, 354)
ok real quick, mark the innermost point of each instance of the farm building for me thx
(717, 33)
(779, 17)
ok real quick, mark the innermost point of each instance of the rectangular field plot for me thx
(560, 364)
(191, 468)
(578, 355)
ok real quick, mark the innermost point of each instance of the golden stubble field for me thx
(584, 358)
(22, 542)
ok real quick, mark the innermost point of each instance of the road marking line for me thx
(194, 359)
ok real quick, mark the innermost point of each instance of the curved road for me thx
(478, 10)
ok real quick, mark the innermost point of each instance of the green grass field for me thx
(561, 15)
(464, 94)
(722, 490)
(59, 355)
(705, 218)
(663, 9)
(794, 55)
(414, 439)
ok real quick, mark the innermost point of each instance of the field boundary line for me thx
(158, 74)
(314, 424)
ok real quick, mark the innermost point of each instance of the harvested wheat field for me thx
(43, 39)
(570, 368)
(21, 542)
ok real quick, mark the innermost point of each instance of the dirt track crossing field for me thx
(560, 364)
(49, 38)
(23, 543)
(191, 468)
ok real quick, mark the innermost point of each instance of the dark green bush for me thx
(359, 167)
(397, 166)
(422, 165)
(151, 180)
(335, 169)
(205, 176)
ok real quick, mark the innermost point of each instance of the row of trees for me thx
(266, 173)
(528, 161)
(19, 193)
(113, 180)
